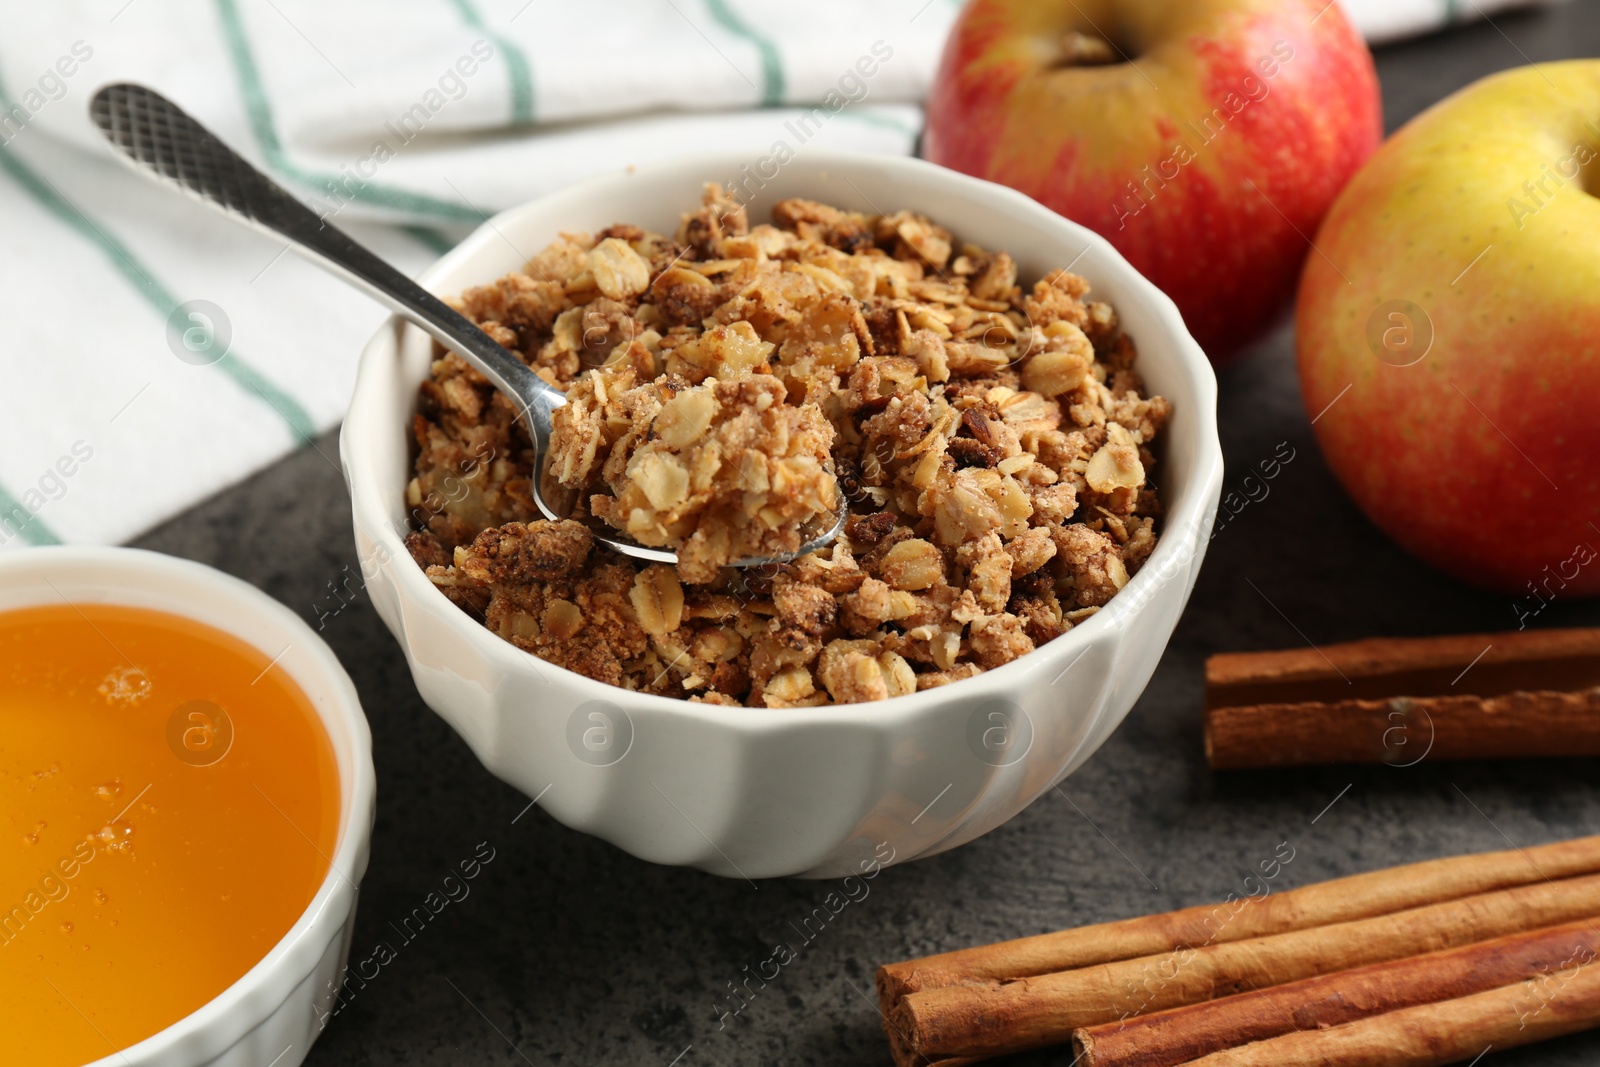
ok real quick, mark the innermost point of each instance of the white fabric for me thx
(407, 123)
(1381, 21)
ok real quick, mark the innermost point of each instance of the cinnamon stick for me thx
(1405, 730)
(1431, 1035)
(1382, 667)
(996, 1018)
(1341, 900)
(1400, 700)
(1169, 1038)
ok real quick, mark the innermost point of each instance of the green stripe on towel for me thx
(266, 134)
(33, 529)
(518, 71)
(771, 62)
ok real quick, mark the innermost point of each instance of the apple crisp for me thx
(722, 470)
(992, 442)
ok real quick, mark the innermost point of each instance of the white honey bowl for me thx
(271, 1015)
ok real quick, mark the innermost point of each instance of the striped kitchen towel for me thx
(155, 353)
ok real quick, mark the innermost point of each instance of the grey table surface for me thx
(569, 951)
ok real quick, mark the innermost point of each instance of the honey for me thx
(169, 805)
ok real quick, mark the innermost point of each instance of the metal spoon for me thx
(163, 141)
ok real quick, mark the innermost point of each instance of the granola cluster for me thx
(722, 470)
(992, 443)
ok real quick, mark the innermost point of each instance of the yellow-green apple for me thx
(1448, 334)
(1204, 138)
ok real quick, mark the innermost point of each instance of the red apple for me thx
(1449, 334)
(1204, 138)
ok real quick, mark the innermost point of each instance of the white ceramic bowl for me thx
(815, 792)
(272, 1014)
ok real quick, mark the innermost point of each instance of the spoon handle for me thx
(163, 140)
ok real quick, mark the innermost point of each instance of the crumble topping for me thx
(992, 442)
(722, 470)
